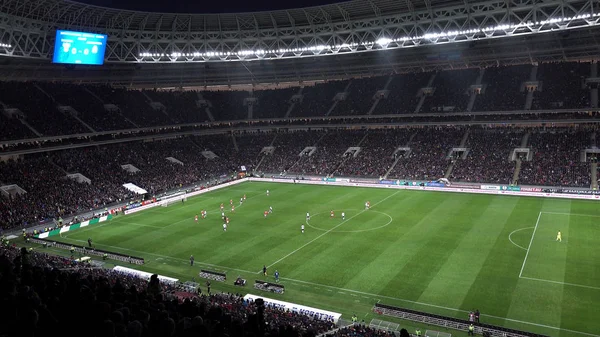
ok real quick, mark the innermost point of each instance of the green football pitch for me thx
(443, 253)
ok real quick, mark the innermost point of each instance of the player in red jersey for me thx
(231, 201)
(196, 218)
(244, 197)
(227, 221)
(331, 215)
(203, 214)
(222, 207)
(266, 213)
(232, 208)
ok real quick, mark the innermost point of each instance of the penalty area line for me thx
(329, 231)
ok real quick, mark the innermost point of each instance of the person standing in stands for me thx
(477, 316)
(208, 287)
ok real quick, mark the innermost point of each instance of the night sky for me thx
(204, 6)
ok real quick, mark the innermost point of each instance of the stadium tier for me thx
(48, 109)
(68, 182)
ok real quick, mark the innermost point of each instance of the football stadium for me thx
(364, 168)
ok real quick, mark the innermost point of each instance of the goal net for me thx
(433, 333)
(173, 200)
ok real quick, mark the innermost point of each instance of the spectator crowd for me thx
(103, 107)
(411, 153)
(50, 295)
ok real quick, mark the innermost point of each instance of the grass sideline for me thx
(444, 253)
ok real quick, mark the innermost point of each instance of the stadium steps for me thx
(398, 159)
(293, 105)
(449, 170)
(594, 89)
(335, 102)
(594, 175)
(392, 167)
(515, 178)
(164, 109)
(385, 87)
(86, 89)
(51, 162)
(529, 97)
(206, 109)
(289, 169)
(262, 156)
(69, 111)
(525, 139)
(473, 94)
(27, 125)
(423, 97)
(235, 145)
(67, 115)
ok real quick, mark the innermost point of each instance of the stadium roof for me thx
(65, 12)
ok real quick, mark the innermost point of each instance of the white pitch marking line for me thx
(573, 214)
(517, 230)
(329, 231)
(561, 283)
(530, 242)
(168, 257)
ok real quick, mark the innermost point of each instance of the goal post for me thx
(173, 200)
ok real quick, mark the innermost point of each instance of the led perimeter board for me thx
(79, 48)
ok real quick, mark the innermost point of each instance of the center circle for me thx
(356, 221)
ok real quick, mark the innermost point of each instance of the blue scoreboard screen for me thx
(79, 48)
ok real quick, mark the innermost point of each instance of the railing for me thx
(449, 322)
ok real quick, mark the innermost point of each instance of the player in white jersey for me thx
(270, 209)
(343, 216)
(241, 200)
(307, 216)
(302, 229)
(225, 227)
(267, 193)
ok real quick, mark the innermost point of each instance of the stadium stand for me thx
(329, 152)
(562, 86)
(287, 150)
(88, 107)
(273, 103)
(120, 304)
(503, 88)
(488, 157)
(451, 91)
(376, 155)
(318, 99)
(38, 108)
(133, 104)
(360, 96)
(428, 158)
(227, 105)
(557, 159)
(11, 127)
(402, 96)
(180, 105)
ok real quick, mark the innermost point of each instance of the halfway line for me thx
(530, 242)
